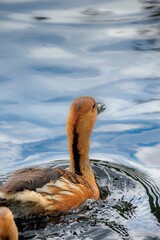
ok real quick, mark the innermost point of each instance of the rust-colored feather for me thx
(8, 229)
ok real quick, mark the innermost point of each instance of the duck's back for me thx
(48, 190)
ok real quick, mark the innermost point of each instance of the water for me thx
(54, 51)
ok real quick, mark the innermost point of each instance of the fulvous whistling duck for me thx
(8, 229)
(55, 190)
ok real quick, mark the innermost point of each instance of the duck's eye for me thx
(94, 105)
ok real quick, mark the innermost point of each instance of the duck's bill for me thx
(100, 107)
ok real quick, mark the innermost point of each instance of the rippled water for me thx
(50, 53)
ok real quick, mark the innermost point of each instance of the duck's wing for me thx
(30, 179)
(50, 190)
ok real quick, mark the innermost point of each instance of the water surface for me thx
(54, 51)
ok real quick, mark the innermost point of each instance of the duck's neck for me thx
(79, 145)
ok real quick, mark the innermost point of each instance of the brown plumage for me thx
(8, 229)
(55, 190)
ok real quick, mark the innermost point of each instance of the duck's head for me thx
(7, 223)
(83, 114)
(80, 122)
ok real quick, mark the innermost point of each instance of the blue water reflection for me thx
(53, 51)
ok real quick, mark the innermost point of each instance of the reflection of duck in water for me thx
(8, 229)
(58, 190)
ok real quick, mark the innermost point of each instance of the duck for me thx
(8, 228)
(56, 190)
